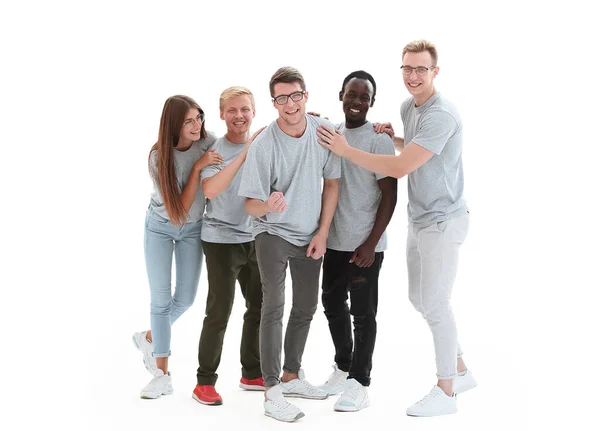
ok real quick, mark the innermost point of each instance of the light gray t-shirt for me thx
(295, 167)
(184, 161)
(226, 220)
(435, 190)
(360, 195)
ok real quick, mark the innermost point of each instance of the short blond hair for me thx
(422, 46)
(230, 92)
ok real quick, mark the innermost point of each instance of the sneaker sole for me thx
(252, 387)
(430, 415)
(298, 416)
(150, 397)
(306, 397)
(350, 409)
(206, 403)
(332, 392)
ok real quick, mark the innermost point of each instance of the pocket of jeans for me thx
(441, 226)
(156, 218)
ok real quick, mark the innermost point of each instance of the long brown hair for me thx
(171, 121)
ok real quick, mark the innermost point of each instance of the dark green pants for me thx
(226, 263)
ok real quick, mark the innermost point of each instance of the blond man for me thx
(437, 212)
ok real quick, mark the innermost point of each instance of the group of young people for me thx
(307, 194)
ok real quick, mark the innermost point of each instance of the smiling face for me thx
(291, 112)
(192, 124)
(420, 87)
(357, 98)
(238, 113)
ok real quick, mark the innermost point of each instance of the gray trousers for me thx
(432, 257)
(273, 254)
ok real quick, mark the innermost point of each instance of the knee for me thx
(304, 312)
(272, 311)
(183, 304)
(334, 303)
(415, 300)
(432, 309)
(160, 308)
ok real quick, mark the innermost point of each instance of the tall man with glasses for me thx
(437, 212)
(290, 183)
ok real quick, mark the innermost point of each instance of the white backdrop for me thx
(82, 89)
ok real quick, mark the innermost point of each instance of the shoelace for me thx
(335, 378)
(428, 396)
(311, 389)
(157, 382)
(282, 404)
(354, 392)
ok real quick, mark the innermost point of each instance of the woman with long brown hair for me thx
(173, 225)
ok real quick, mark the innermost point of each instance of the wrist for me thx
(323, 233)
(371, 242)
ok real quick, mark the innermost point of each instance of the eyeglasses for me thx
(199, 119)
(421, 70)
(295, 96)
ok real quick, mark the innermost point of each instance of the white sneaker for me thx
(278, 408)
(435, 403)
(463, 382)
(143, 345)
(159, 385)
(300, 388)
(354, 398)
(336, 382)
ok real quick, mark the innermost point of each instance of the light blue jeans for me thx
(161, 239)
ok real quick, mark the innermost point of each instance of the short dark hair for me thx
(360, 74)
(286, 75)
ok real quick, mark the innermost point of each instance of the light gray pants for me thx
(273, 254)
(432, 258)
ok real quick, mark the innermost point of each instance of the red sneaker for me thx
(206, 394)
(252, 385)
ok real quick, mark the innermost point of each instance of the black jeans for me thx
(339, 278)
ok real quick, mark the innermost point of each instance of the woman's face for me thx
(192, 124)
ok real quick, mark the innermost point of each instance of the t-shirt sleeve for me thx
(383, 144)
(210, 170)
(153, 168)
(435, 130)
(256, 174)
(333, 167)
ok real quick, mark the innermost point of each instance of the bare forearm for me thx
(189, 191)
(218, 183)
(381, 164)
(398, 143)
(385, 211)
(328, 205)
(256, 207)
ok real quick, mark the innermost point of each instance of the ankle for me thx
(446, 386)
(288, 377)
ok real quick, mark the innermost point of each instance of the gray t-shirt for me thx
(360, 195)
(295, 167)
(184, 161)
(435, 190)
(226, 220)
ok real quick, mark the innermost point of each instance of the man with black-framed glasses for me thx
(437, 212)
(290, 183)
